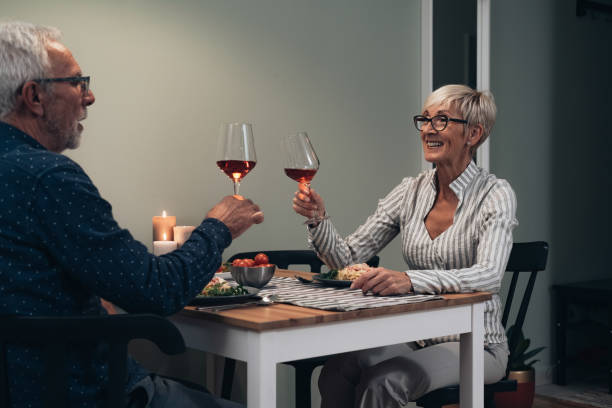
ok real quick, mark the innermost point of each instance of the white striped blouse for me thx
(471, 255)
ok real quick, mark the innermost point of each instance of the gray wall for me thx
(550, 73)
(166, 75)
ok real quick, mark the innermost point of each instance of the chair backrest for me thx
(54, 335)
(284, 258)
(526, 257)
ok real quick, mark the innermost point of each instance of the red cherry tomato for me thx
(266, 265)
(261, 259)
(250, 262)
(242, 262)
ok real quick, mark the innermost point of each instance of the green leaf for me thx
(518, 356)
(332, 274)
(521, 347)
(532, 353)
(531, 363)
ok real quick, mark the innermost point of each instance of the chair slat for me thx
(510, 295)
(4, 384)
(56, 392)
(285, 258)
(117, 374)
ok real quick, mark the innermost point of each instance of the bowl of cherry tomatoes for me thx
(255, 272)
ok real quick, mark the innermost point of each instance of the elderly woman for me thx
(456, 223)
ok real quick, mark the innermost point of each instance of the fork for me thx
(304, 280)
(264, 301)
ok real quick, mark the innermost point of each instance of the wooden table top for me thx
(280, 315)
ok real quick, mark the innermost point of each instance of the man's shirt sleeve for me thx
(80, 234)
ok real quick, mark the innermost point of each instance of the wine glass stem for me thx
(315, 217)
(236, 187)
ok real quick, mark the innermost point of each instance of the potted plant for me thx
(520, 368)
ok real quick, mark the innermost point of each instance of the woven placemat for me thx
(318, 296)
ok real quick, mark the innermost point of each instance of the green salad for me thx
(332, 274)
(220, 289)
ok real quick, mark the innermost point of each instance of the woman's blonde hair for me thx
(477, 107)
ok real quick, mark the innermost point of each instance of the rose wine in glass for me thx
(236, 151)
(301, 162)
(301, 175)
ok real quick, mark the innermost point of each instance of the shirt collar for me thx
(10, 135)
(460, 184)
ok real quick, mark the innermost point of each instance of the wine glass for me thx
(236, 151)
(301, 162)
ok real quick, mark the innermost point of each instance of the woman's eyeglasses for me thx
(438, 122)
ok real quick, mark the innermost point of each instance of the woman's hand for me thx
(308, 202)
(384, 282)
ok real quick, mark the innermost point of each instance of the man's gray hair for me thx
(23, 57)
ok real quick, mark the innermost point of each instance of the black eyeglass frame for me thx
(422, 118)
(82, 81)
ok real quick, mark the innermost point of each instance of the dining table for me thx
(264, 336)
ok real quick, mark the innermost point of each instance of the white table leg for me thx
(472, 361)
(261, 374)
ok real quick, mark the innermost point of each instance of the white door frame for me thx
(483, 61)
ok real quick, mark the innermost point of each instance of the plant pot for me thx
(523, 396)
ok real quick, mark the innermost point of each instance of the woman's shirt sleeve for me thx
(371, 237)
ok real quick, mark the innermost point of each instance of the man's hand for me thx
(237, 213)
(384, 282)
(110, 308)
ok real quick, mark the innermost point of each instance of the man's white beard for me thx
(67, 139)
(73, 137)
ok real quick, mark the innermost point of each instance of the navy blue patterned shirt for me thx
(61, 250)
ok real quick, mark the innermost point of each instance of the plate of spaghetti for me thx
(342, 277)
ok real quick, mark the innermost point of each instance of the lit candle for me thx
(182, 233)
(163, 247)
(163, 225)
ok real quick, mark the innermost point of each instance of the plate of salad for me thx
(219, 291)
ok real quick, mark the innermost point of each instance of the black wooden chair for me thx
(55, 335)
(526, 257)
(303, 368)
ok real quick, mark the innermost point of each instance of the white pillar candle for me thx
(182, 233)
(163, 247)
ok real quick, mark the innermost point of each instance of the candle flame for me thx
(164, 213)
(165, 239)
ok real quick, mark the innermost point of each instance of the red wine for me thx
(236, 169)
(301, 175)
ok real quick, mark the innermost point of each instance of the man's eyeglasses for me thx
(438, 122)
(82, 81)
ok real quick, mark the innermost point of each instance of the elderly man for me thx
(60, 248)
